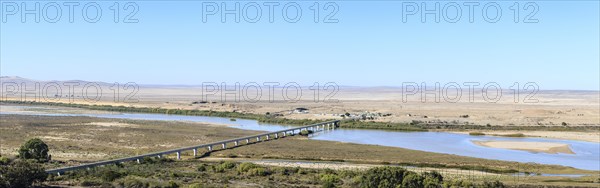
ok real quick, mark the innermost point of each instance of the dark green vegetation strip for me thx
(168, 173)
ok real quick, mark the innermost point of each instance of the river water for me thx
(587, 154)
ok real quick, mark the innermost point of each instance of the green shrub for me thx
(327, 185)
(467, 184)
(134, 182)
(281, 171)
(90, 183)
(347, 173)
(172, 184)
(109, 175)
(201, 168)
(382, 125)
(22, 173)
(148, 160)
(245, 167)
(456, 183)
(260, 171)
(295, 170)
(223, 166)
(476, 134)
(329, 180)
(432, 179)
(382, 177)
(34, 149)
(196, 185)
(514, 135)
(412, 179)
(155, 160)
(227, 165)
(4, 160)
(493, 184)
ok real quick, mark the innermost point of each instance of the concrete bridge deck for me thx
(209, 146)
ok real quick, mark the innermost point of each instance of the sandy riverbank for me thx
(544, 147)
(563, 135)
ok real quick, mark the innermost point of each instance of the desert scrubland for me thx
(568, 115)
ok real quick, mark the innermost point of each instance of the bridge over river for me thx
(236, 142)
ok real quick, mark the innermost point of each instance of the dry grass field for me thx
(83, 139)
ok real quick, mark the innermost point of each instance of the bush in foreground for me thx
(34, 149)
(412, 179)
(4, 160)
(432, 179)
(22, 173)
(382, 177)
(329, 180)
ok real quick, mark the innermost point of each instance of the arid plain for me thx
(561, 109)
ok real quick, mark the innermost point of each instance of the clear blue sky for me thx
(369, 46)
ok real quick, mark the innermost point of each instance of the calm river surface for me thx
(587, 154)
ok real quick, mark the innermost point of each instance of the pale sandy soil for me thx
(544, 147)
(580, 136)
(549, 108)
(553, 108)
(112, 124)
(91, 139)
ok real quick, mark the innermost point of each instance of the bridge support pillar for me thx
(236, 143)
(195, 152)
(258, 138)
(284, 134)
(178, 155)
(58, 173)
(209, 148)
(247, 141)
(223, 144)
(276, 135)
(159, 156)
(267, 137)
(138, 161)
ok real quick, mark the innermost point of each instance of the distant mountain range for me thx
(31, 82)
